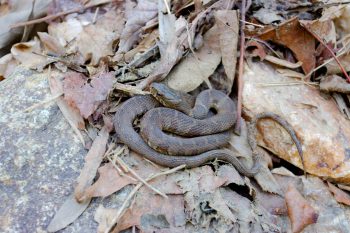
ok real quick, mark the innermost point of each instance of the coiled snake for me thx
(192, 151)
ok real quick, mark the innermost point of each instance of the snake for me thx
(186, 117)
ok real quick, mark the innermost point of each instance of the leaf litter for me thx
(191, 46)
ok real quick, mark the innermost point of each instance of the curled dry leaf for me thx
(339, 195)
(334, 83)
(51, 44)
(282, 62)
(87, 96)
(7, 66)
(27, 54)
(300, 212)
(227, 21)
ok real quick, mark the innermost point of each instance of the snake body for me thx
(137, 106)
(175, 151)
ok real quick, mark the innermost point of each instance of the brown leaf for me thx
(71, 114)
(68, 213)
(51, 44)
(85, 96)
(93, 160)
(96, 40)
(136, 16)
(292, 35)
(334, 83)
(109, 181)
(339, 195)
(300, 212)
(153, 213)
(196, 68)
(227, 21)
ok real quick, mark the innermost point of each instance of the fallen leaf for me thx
(334, 83)
(268, 16)
(85, 96)
(196, 68)
(109, 181)
(292, 35)
(51, 44)
(153, 213)
(96, 40)
(136, 17)
(227, 21)
(71, 114)
(300, 212)
(7, 66)
(27, 54)
(339, 195)
(68, 213)
(93, 160)
(18, 11)
(104, 217)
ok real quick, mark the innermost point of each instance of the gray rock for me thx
(40, 157)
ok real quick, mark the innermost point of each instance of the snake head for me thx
(165, 95)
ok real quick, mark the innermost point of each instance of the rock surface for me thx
(40, 158)
(322, 129)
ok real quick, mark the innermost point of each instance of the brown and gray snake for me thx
(198, 136)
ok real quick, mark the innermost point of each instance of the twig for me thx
(240, 68)
(167, 7)
(330, 50)
(52, 98)
(133, 192)
(121, 162)
(51, 17)
(287, 84)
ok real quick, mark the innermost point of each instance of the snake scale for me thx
(210, 132)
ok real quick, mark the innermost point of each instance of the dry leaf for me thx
(136, 16)
(196, 68)
(334, 83)
(104, 217)
(153, 213)
(27, 54)
(300, 212)
(71, 114)
(227, 21)
(109, 181)
(7, 66)
(51, 44)
(96, 40)
(339, 195)
(87, 96)
(93, 160)
(282, 62)
(292, 35)
(69, 211)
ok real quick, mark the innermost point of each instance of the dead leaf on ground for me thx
(28, 54)
(7, 66)
(153, 213)
(136, 16)
(84, 95)
(68, 213)
(340, 195)
(334, 83)
(93, 160)
(196, 68)
(227, 21)
(292, 35)
(300, 212)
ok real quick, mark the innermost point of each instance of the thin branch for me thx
(51, 17)
(42, 103)
(121, 162)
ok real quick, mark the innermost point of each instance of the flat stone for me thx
(321, 127)
(40, 157)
